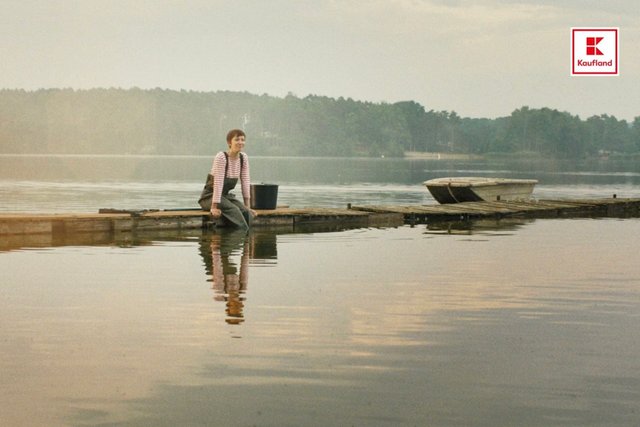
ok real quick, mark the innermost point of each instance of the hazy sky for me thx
(478, 58)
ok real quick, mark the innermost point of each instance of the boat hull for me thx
(472, 189)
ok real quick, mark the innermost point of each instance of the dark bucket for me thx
(264, 196)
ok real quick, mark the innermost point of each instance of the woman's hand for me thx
(216, 213)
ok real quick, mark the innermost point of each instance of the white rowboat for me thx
(476, 189)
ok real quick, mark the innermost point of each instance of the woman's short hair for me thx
(233, 133)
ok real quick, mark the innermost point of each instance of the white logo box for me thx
(595, 51)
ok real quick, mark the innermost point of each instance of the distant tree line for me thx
(158, 121)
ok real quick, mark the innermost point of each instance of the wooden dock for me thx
(609, 207)
(113, 221)
(130, 221)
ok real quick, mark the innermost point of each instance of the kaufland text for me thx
(594, 63)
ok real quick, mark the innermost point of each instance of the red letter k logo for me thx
(592, 48)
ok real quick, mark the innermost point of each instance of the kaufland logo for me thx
(594, 52)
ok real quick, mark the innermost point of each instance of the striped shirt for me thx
(217, 171)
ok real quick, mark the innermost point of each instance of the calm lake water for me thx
(490, 323)
(88, 183)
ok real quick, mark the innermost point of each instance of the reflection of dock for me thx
(111, 221)
(468, 227)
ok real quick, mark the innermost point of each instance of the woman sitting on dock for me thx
(229, 167)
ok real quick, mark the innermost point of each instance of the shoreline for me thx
(423, 155)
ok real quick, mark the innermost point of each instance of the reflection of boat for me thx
(478, 226)
(474, 189)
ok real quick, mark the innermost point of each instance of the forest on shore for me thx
(169, 122)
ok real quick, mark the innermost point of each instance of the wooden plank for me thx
(487, 207)
(556, 204)
(175, 213)
(390, 209)
(25, 227)
(76, 225)
(273, 220)
(528, 206)
(428, 210)
(385, 219)
(122, 224)
(169, 222)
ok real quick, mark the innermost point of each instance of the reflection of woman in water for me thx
(229, 284)
(220, 253)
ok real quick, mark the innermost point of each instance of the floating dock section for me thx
(111, 220)
(114, 221)
(610, 207)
